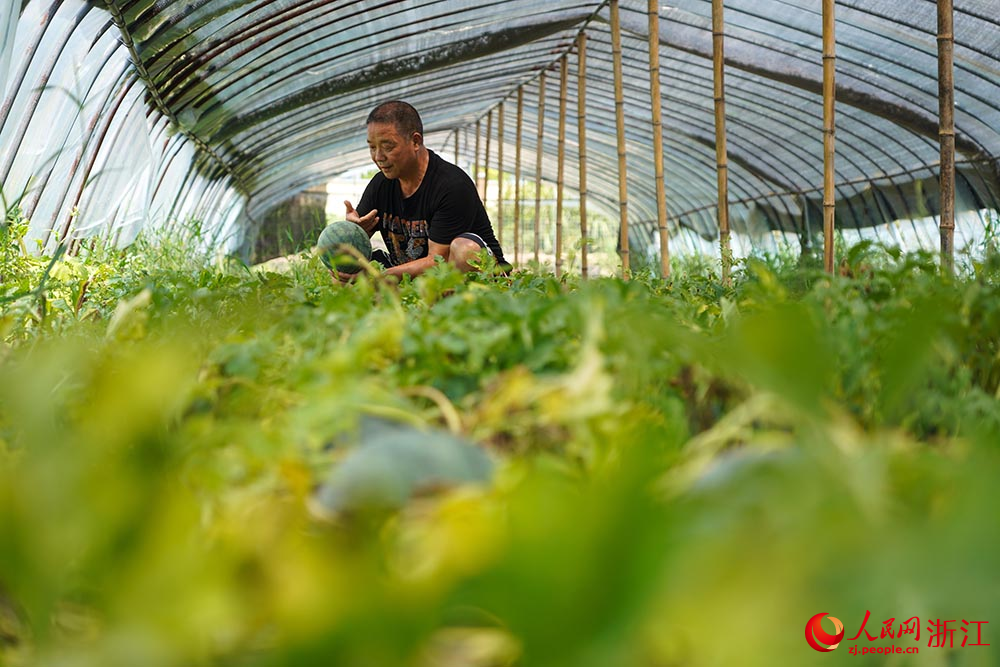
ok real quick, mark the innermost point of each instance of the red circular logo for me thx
(815, 631)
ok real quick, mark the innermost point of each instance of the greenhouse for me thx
(735, 374)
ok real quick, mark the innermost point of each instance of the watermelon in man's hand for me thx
(334, 241)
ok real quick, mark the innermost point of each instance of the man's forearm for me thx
(414, 268)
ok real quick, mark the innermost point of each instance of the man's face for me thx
(394, 154)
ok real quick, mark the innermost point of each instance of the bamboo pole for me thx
(500, 174)
(465, 143)
(829, 132)
(616, 52)
(517, 175)
(486, 170)
(581, 118)
(946, 102)
(652, 9)
(475, 161)
(721, 152)
(538, 163)
(561, 172)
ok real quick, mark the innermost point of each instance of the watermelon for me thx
(394, 462)
(332, 242)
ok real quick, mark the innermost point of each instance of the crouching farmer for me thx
(423, 206)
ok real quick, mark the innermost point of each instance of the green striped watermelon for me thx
(335, 237)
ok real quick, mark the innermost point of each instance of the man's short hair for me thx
(401, 114)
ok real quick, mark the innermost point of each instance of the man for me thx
(423, 206)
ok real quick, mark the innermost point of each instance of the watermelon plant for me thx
(201, 464)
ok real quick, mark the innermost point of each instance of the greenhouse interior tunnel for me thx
(124, 115)
(728, 395)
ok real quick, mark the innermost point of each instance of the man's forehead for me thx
(384, 130)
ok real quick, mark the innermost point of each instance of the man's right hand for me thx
(343, 278)
(367, 222)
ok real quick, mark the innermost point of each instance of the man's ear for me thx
(418, 138)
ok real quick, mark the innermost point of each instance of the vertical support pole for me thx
(806, 238)
(517, 175)
(616, 53)
(500, 174)
(486, 170)
(946, 102)
(465, 145)
(652, 9)
(456, 145)
(475, 162)
(581, 118)
(829, 132)
(538, 163)
(561, 173)
(721, 152)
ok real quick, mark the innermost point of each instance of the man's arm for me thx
(413, 269)
(418, 266)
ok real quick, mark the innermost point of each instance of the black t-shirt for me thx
(445, 205)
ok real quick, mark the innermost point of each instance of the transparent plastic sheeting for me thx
(127, 114)
(80, 152)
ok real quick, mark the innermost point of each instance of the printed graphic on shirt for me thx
(407, 239)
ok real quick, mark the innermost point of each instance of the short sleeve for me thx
(454, 210)
(370, 200)
(367, 202)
